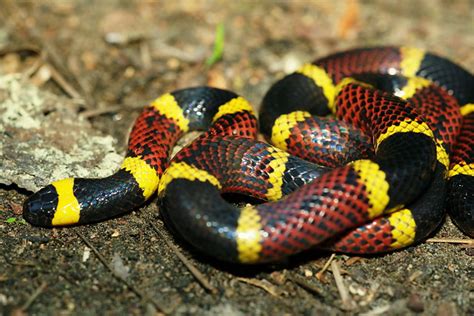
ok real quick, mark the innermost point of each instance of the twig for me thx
(13, 48)
(263, 284)
(352, 260)
(113, 108)
(135, 290)
(451, 241)
(347, 302)
(33, 296)
(22, 264)
(100, 111)
(194, 271)
(306, 285)
(35, 67)
(381, 310)
(61, 81)
(319, 274)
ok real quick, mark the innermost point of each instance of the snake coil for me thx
(375, 182)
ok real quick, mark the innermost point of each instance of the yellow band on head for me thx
(68, 210)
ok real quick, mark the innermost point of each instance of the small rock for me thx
(278, 277)
(415, 303)
(415, 275)
(119, 267)
(86, 254)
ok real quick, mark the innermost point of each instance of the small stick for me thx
(451, 241)
(347, 302)
(35, 67)
(33, 296)
(381, 310)
(119, 277)
(352, 260)
(305, 284)
(326, 266)
(61, 81)
(265, 285)
(98, 112)
(113, 108)
(194, 271)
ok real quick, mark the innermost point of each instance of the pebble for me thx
(415, 303)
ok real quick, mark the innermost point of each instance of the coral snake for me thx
(375, 182)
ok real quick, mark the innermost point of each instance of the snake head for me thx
(39, 208)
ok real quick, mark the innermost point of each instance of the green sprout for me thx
(10, 220)
(218, 49)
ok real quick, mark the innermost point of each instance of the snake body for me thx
(375, 183)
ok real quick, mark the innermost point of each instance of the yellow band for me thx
(68, 210)
(283, 125)
(406, 127)
(467, 109)
(462, 168)
(441, 154)
(182, 170)
(235, 105)
(375, 183)
(248, 235)
(320, 78)
(412, 86)
(167, 106)
(278, 167)
(403, 228)
(145, 175)
(411, 59)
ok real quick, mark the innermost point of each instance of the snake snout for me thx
(40, 207)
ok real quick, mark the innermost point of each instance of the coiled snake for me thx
(375, 182)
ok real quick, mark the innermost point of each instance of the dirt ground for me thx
(111, 57)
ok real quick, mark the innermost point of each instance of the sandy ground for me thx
(110, 58)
